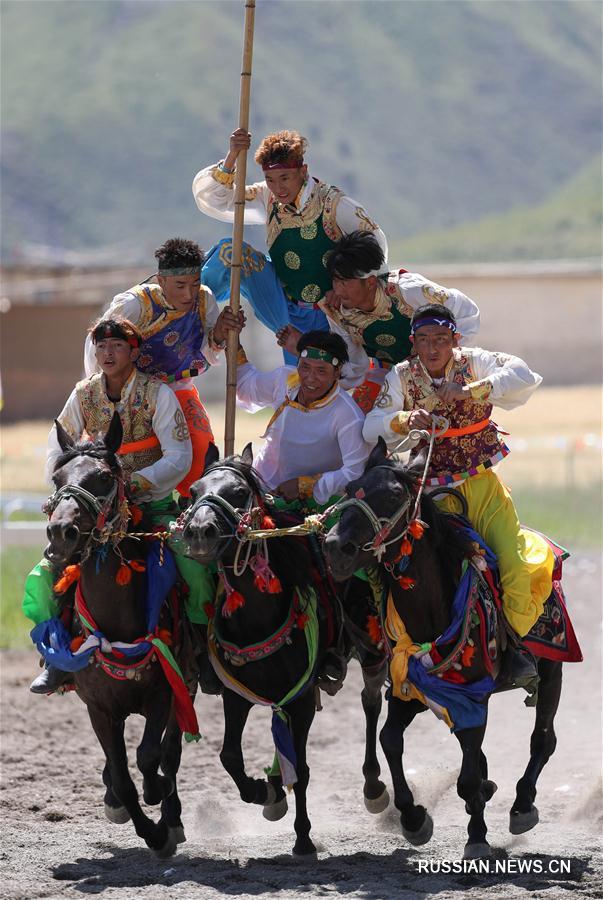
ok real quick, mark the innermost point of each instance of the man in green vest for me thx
(304, 218)
(371, 308)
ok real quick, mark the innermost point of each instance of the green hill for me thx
(433, 115)
(568, 225)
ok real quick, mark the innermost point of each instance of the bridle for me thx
(382, 526)
(110, 512)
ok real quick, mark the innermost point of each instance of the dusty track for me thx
(56, 841)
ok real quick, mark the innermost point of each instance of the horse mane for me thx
(93, 449)
(290, 557)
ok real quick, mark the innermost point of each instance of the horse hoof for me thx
(119, 815)
(177, 834)
(522, 822)
(168, 849)
(378, 804)
(480, 850)
(423, 835)
(307, 854)
(275, 811)
(489, 788)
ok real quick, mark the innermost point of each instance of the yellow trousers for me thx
(525, 560)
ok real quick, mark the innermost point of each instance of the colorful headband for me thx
(183, 270)
(106, 330)
(290, 164)
(445, 323)
(317, 353)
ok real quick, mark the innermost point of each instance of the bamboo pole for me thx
(237, 232)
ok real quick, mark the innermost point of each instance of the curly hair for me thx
(179, 253)
(281, 147)
(356, 253)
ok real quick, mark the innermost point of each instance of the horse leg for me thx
(171, 753)
(524, 815)
(301, 712)
(417, 824)
(110, 733)
(155, 787)
(114, 810)
(474, 790)
(376, 798)
(236, 711)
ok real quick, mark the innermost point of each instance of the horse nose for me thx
(62, 532)
(200, 535)
(340, 557)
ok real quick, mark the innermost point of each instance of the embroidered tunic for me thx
(146, 409)
(495, 379)
(174, 341)
(383, 332)
(322, 439)
(299, 234)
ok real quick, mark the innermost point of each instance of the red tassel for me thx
(124, 575)
(137, 565)
(70, 574)
(267, 522)
(302, 620)
(135, 514)
(405, 548)
(373, 629)
(274, 585)
(260, 583)
(405, 582)
(467, 656)
(209, 609)
(416, 529)
(76, 643)
(233, 602)
(165, 635)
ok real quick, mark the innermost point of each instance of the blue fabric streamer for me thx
(53, 640)
(283, 742)
(262, 289)
(464, 702)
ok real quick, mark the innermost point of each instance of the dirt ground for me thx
(57, 843)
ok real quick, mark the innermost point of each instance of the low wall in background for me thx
(549, 314)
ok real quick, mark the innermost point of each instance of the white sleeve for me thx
(126, 306)
(211, 353)
(216, 199)
(72, 420)
(418, 290)
(388, 404)
(352, 372)
(351, 216)
(256, 390)
(176, 448)
(354, 453)
(511, 379)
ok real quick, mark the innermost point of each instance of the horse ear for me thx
(416, 466)
(212, 455)
(115, 434)
(65, 440)
(247, 454)
(378, 454)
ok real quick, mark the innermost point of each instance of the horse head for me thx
(228, 490)
(89, 488)
(374, 516)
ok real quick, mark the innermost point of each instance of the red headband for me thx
(292, 164)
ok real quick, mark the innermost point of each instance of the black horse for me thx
(262, 648)
(87, 504)
(386, 492)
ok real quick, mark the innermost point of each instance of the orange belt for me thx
(136, 446)
(468, 429)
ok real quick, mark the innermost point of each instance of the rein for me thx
(100, 507)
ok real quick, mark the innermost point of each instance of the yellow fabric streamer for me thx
(403, 649)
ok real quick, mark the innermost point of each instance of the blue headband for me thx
(446, 323)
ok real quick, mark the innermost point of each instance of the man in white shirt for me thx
(313, 443)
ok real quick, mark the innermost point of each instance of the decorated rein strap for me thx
(239, 656)
(105, 528)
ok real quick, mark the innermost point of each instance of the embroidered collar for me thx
(355, 321)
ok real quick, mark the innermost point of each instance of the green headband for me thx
(317, 353)
(184, 270)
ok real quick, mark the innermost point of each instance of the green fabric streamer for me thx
(39, 602)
